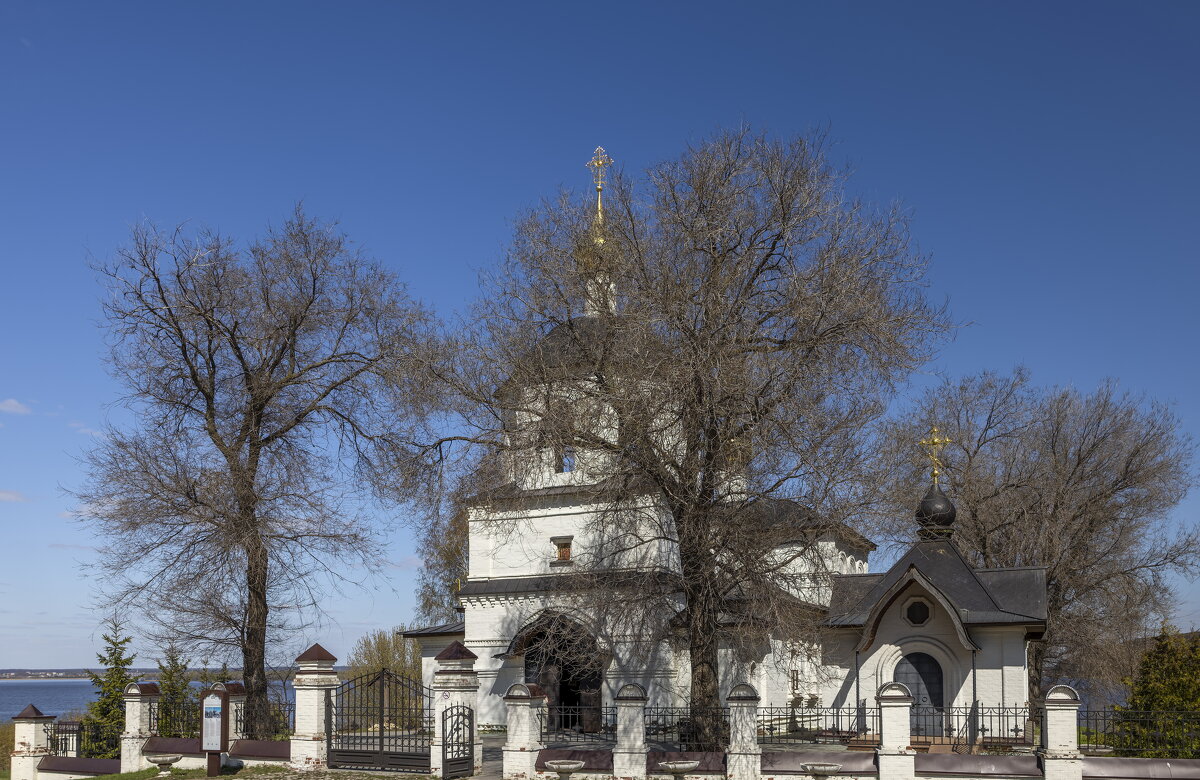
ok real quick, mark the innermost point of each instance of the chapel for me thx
(954, 634)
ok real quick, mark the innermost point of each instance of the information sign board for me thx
(212, 735)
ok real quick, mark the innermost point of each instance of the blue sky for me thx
(1047, 153)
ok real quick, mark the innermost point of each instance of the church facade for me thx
(954, 634)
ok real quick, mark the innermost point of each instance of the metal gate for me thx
(380, 720)
(458, 741)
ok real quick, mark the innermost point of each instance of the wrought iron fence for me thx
(818, 725)
(88, 739)
(175, 719)
(977, 729)
(280, 725)
(1146, 733)
(688, 728)
(578, 724)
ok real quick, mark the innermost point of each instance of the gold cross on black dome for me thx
(933, 444)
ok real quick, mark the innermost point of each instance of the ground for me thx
(492, 770)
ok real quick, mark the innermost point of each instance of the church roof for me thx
(456, 628)
(580, 346)
(788, 512)
(981, 596)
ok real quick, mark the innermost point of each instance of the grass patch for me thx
(184, 774)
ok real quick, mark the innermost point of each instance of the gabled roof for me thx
(979, 596)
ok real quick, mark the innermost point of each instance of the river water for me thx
(58, 696)
(53, 697)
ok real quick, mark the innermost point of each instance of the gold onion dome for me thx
(590, 250)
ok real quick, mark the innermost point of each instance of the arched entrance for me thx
(565, 659)
(922, 674)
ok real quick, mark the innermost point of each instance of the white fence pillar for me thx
(455, 684)
(744, 761)
(314, 681)
(629, 754)
(1060, 734)
(896, 758)
(236, 692)
(30, 743)
(524, 738)
(141, 700)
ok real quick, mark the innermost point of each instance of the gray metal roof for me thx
(981, 596)
(506, 585)
(456, 628)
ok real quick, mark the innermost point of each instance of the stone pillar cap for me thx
(631, 692)
(894, 691)
(455, 651)
(316, 653)
(743, 692)
(520, 691)
(32, 713)
(1062, 694)
(142, 689)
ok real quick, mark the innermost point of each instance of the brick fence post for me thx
(141, 703)
(744, 761)
(455, 684)
(30, 742)
(523, 740)
(1061, 759)
(314, 681)
(896, 759)
(629, 754)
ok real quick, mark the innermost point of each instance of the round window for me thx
(917, 613)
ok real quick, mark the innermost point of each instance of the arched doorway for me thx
(922, 674)
(566, 661)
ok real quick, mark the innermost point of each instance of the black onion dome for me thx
(936, 511)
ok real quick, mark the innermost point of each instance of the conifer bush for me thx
(1162, 718)
(104, 722)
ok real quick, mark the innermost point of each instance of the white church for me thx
(956, 635)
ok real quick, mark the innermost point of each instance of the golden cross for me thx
(600, 160)
(933, 444)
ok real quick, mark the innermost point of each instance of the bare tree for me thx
(705, 350)
(264, 383)
(1084, 485)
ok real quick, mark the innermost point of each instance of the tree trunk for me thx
(1037, 664)
(254, 644)
(703, 645)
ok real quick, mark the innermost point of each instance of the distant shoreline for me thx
(42, 679)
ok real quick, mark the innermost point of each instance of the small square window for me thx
(566, 460)
(562, 550)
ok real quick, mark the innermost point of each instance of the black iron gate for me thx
(380, 720)
(458, 741)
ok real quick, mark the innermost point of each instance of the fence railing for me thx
(180, 719)
(1145, 733)
(561, 725)
(818, 725)
(281, 725)
(978, 729)
(688, 728)
(84, 739)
